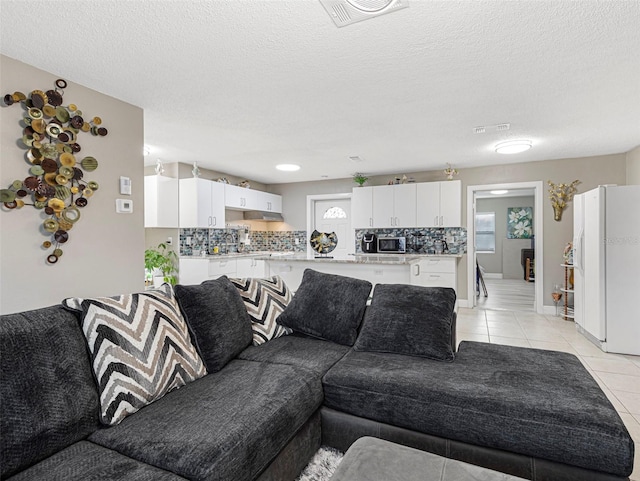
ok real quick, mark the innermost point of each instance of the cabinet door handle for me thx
(215, 221)
(435, 220)
(416, 269)
(396, 222)
(441, 220)
(370, 221)
(210, 220)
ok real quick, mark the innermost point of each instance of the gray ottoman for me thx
(372, 459)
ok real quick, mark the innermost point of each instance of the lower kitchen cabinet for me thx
(435, 272)
(250, 267)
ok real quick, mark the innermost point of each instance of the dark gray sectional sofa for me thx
(263, 413)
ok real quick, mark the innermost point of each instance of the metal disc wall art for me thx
(55, 184)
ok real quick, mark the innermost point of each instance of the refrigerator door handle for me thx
(577, 254)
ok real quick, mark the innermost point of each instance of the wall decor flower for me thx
(559, 195)
(519, 222)
(56, 183)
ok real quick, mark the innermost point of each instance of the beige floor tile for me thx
(542, 334)
(472, 329)
(630, 401)
(498, 315)
(637, 417)
(620, 382)
(509, 341)
(464, 336)
(552, 346)
(616, 365)
(633, 359)
(621, 408)
(586, 348)
(507, 331)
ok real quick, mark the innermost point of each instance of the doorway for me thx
(331, 213)
(518, 294)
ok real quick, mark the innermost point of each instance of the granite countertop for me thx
(393, 259)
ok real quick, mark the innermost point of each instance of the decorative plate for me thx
(323, 243)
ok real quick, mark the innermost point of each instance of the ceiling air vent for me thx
(346, 12)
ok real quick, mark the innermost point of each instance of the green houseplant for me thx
(359, 178)
(161, 259)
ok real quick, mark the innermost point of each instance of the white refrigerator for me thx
(606, 230)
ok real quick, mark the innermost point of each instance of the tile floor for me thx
(618, 375)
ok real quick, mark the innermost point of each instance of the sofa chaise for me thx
(247, 398)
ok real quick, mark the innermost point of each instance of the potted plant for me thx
(359, 178)
(160, 265)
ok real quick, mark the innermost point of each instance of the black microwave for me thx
(392, 245)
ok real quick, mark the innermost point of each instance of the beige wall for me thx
(633, 166)
(104, 254)
(591, 171)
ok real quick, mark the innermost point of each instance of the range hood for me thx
(263, 215)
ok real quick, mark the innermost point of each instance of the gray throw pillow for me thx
(216, 314)
(327, 306)
(410, 320)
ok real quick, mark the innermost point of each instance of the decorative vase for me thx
(557, 213)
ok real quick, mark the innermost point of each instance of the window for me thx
(486, 232)
(335, 213)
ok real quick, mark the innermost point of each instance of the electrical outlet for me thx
(169, 240)
(297, 241)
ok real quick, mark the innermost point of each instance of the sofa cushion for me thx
(227, 425)
(48, 395)
(538, 403)
(313, 355)
(216, 314)
(85, 461)
(264, 299)
(411, 320)
(327, 306)
(140, 349)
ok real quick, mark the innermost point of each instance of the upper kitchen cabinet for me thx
(268, 202)
(439, 204)
(362, 207)
(394, 205)
(202, 203)
(240, 198)
(160, 201)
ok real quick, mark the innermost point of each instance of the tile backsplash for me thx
(421, 240)
(194, 241)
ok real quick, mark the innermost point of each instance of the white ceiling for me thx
(241, 86)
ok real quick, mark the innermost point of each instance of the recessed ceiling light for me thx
(499, 192)
(513, 146)
(288, 167)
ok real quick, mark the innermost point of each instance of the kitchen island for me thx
(416, 269)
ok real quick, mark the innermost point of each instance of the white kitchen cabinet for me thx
(198, 269)
(201, 203)
(160, 201)
(250, 267)
(439, 204)
(222, 267)
(362, 207)
(434, 272)
(268, 202)
(394, 205)
(240, 198)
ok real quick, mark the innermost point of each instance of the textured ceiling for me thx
(241, 86)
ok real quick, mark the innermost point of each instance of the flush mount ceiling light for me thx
(513, 146)
(288, 167)
(346, 12)
(499, 192)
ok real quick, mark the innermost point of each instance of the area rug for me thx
(322, 465)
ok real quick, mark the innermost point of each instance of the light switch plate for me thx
(124, 206)
(125, 186)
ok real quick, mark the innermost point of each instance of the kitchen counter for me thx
(395, 259)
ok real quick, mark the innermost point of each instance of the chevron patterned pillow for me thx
(140, 349)
(265, 299)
